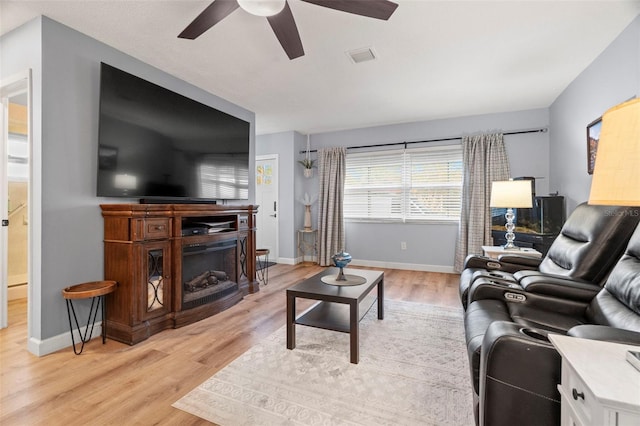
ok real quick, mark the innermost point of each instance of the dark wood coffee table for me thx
(340, 308)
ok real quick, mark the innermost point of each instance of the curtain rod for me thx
(517, 132)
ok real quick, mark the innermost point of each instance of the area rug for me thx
(413, 370)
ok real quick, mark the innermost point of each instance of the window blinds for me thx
(404, 185)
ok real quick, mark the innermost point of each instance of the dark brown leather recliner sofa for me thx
(588, 245)
(519, 369)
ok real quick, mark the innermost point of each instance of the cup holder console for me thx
(534, 334)
(505, 278)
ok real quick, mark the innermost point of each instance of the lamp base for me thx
(510, 236)
(511, 247)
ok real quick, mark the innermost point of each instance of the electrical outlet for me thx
(403, 245)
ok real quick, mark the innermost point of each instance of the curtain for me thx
(331, 174)
(484, 160)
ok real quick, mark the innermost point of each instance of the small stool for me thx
(262, 270)
(96, 290)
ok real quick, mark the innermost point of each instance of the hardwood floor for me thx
(136, 385)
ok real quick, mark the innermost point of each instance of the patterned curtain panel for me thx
(485, 160)
(331, 171)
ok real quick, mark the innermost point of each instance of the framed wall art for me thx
(593, 136)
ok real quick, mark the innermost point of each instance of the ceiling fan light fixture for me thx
(262, 7)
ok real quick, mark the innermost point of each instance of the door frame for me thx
(11, 86)
(275, 159)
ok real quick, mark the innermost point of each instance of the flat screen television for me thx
(156, 144)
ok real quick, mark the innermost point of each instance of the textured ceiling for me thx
(436, 59)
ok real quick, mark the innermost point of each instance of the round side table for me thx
(96, 290)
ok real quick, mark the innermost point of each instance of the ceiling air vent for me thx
(362, 55)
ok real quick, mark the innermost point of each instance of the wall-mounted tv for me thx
(154, 143)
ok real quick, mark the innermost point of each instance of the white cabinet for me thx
(599, 387)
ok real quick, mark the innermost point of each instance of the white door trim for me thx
(10, 86)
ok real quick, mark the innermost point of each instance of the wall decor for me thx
(593, 136)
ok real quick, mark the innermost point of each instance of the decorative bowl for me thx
(341, 259)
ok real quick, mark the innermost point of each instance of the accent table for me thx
(96, 290)
(496, 251)
(599, 387)
(307, 243)
(340, 307)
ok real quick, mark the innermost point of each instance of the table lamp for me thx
(616, 175)
(510, 194)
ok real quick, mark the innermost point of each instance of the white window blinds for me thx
(404, 185)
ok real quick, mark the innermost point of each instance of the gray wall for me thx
(612, 78)
(72, 226)
(429, 246)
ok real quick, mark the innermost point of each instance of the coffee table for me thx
(340, 307)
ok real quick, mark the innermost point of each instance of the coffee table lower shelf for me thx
(333, 316)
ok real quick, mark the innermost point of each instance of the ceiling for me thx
(435, 59)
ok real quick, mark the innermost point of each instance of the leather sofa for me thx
(514, 367)
(588, 245)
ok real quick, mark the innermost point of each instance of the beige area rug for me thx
(413, 370)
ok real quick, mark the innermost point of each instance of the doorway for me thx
(267, 200)
(15, 150)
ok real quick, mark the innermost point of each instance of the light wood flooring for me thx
(117, 384)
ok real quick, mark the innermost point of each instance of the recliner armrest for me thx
(559, 287)
(523, 261)
(518, 368)
(481, 262)
(512, 293)
(606, 333)
(510, 264)
(489, 288)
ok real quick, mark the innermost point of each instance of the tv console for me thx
(168, 277)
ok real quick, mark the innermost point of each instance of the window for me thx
(404, 185)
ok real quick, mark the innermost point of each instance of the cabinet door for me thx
(155, 283)
(243, 265)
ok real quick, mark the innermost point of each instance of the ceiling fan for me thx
(281, 19)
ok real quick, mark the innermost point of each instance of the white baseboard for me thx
(61, 341)
(405, 266)
(378, 264)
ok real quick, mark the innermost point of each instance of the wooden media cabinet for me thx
(175, 264)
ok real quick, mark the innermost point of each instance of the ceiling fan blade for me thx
(379, 9)
(214, 13)
(285, 29)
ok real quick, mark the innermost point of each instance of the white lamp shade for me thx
(262, 7)
(511, 194)
(616, 175)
